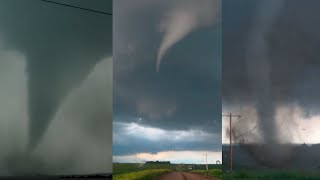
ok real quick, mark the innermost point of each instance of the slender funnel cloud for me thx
(182, 19)
(47, 89)
(258, 63)
(259, 76)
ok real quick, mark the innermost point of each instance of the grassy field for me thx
(271, 174)
(211, 173)
(149, 174)
(135, 171)
(120, 168)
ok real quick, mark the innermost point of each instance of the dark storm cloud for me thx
(292, 46)
(127, 140)
(61, 45)
(167, 77)
(271, 60)
(138, 145)
(185, 93)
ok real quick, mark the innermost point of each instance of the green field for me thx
(149, 174)
(120, 168)
(211, 173)
(136, 171)
(271, 174)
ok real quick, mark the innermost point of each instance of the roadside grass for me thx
(217, 173)
(149, 174)
(270, 175)
(142, 171)
(120, 168)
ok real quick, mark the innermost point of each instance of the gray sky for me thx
(167, 76)
(53, 57)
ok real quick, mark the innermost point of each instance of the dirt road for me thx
(184, 176)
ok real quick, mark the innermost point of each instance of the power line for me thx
(86, 9)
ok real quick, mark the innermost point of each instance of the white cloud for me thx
(196, 157)
(157, 134)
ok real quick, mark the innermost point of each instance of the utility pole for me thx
(206, 160)
(230, 147)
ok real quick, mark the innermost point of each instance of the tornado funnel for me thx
(49, 82)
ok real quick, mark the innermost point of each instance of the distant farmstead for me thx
(158, 162)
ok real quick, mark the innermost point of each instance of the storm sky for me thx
(167, 81)
(282, 40)
(55, 87)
